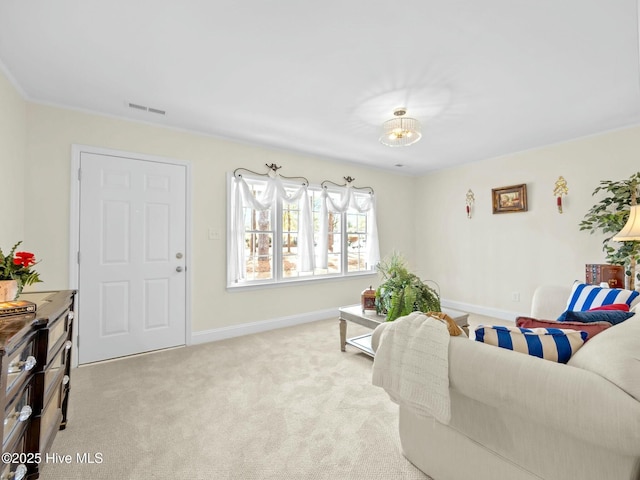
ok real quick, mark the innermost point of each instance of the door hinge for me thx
(78, 341)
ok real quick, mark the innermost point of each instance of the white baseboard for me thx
(232, 331)
(480, 310)
(223, 333)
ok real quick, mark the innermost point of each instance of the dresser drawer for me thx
(51, 377)
(51, 418)
(20, 365)
(17, 466)
(58, 333)
(17, 416)
(54, 372)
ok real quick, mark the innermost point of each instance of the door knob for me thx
(179, 255)
(178, 269)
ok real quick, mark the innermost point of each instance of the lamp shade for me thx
(400, 131)
(631, 230)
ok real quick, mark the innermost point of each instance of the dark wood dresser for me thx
(35, 361)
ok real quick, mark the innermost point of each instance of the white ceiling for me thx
(485, 77)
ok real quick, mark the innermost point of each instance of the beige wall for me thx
(483, 261)
(13, 128)
(52, 131)
(478, 263)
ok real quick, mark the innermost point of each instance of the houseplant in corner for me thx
(403, 292)
(16, 272)
(609, 216)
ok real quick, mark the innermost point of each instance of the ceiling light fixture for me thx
(400, 131)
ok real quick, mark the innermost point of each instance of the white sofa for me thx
(518, 417)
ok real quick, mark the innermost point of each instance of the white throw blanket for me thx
(412, 365)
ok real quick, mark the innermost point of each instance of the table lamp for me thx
(631, 233)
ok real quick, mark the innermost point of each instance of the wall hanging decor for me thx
(470, 200)
(509, 199)
(560, 189)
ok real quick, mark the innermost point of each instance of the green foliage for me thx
(610, 214)
(403, 292)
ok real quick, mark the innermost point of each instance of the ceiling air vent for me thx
(137, 106)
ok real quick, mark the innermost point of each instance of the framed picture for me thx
(510, 199)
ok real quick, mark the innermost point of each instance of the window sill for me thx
(297, 281)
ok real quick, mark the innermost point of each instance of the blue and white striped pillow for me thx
(585, 297)
(549, 343)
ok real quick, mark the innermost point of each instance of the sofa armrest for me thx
(549, 301)
(566, 398)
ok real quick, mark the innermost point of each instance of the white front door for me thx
(132, 239)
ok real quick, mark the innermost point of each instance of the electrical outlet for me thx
(214, 234)
(515, 296)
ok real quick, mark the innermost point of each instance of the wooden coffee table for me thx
(371, 319)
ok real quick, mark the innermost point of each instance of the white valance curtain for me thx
(241, 195)
(360, 203)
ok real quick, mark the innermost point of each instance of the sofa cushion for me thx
(614, 354)
(612, 316)
(549, 343)
(585, 297)
(614, 306)
(592, 328)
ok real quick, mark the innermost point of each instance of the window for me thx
(283, 232)
(259, 231)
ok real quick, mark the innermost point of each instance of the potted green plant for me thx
(609, 215)
(16, 267)
(403, 292)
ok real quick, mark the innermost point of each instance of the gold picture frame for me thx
(510, 199)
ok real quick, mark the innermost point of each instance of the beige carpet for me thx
(284, 404)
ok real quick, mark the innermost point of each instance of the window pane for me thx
(259, 256)
(352, 222)
(334, 243)
(357, 247)
(357, 262)
(356, 222)
(290, 216)
(356, 241)
(289, 265)
(290, 221)
(289, 255)
(262, 220)
(334, 222)
(362, 223)
(290, 243)
(335, 263)
(257, 220)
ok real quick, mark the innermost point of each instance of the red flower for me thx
(25, 259)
